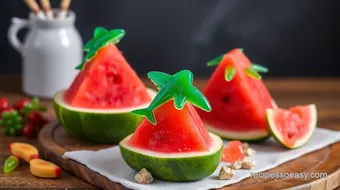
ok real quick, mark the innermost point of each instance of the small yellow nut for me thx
(248, 164)
(245, 146)
(236, 165)
(226, 173)
(144, 177)
(249, 152)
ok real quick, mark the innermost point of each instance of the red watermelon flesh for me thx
(294, 126)
(175, 131)
(238, 106)
(107, 82)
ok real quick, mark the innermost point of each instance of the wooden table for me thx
(324, 92)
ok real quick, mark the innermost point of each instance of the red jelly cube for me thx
(233, 152)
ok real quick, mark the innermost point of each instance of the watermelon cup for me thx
(238, 97)
(97, 105)
(292, 127)
(172, 142)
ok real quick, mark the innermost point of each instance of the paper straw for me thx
(32, 4)
(47, 8)
(64, 5)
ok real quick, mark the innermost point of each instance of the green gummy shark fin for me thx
(160, 79)
(116, 35)
(99, 31)
(87, 58)
(215, 61)
(179, 101)
(195, 97)
(80, 66)
(259, 68)
(252, 73)
(230, 72)
(88, 45)
(146, 113)
(185, 75)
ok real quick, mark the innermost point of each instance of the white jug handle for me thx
(12, 35)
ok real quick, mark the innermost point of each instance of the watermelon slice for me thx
(293, 127)
(107, 82)
(177, 147)
(182, 132)
(97, 105)
(238, 98)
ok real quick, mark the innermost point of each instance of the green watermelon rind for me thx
(175, 167)
(107, 126)
(276, 134)
(246, 136)
(274, 104)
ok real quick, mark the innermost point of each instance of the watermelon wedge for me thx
(293, 127)
(97, 105)
(107, 82)
(238, 98)
(177, 148)
(173, 143)
(182, 132)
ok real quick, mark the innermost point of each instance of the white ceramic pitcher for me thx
(50, 52)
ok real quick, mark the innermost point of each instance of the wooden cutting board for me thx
(54, 141)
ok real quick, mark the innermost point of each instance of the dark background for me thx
(291, 37)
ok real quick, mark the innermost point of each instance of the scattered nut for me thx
(144, 177)
(248, 164)
(249, 152)
(245, 146)
(236, 165)
(226, 173)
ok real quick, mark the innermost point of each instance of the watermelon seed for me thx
(114, 78)
(159, 137)
(226, 99)
(290, 134)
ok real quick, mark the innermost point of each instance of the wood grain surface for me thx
(54, 141)
(21, 178)
(324, 92)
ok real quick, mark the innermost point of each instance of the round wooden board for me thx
(54, 141)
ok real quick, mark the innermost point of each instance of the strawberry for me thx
(29, 130)
(20, 104)
(4, 103)
(8, 109)
(36, 119)
(24, 106)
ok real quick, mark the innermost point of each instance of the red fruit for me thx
(21, 103)
(9, 109)
(4, 103)
(43, 123)
(29, 130)
(36, 119)
(233, 152)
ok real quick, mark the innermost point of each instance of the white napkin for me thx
(109, 163)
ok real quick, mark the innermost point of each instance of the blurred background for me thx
(290, 37)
